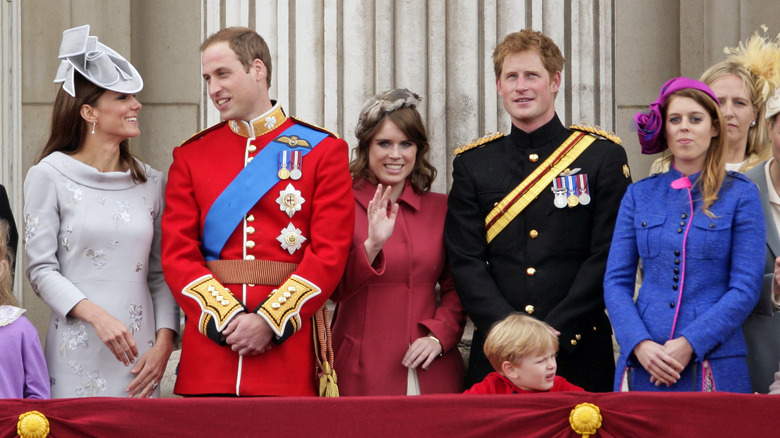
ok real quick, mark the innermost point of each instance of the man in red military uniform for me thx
(256, 230)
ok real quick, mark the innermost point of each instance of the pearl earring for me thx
(95, 122)
(753, 123)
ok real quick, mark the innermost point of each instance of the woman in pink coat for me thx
(394, 333)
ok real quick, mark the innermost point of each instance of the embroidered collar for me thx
(262, 124)
(9, 314)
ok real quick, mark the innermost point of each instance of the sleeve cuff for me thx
(218, 306)
(282, 308)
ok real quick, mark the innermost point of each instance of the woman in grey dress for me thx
(92, 233)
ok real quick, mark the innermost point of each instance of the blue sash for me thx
(248, 187)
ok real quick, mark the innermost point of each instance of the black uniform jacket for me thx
(548, 262)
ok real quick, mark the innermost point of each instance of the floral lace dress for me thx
(95, 235)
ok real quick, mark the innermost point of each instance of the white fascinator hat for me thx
(97, 62)
(773, 104)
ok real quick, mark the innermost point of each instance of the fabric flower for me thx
(649, 130)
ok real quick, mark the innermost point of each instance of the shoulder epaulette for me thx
(609, 135)
(738, 175)
(200, 134)
(313, 126)
(478, 142)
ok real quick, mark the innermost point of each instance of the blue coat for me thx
(710, 285)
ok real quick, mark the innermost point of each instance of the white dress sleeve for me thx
(42, 205)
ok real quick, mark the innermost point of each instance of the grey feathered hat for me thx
(384, 103)
(97, 62)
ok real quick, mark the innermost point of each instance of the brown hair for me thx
(525, 40)
(516, 336)
(758, 137)
(247, 44)
(69, 129)
(6, 266)
(714, 169)
(408, 120)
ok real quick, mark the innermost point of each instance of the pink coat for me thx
(383, 308)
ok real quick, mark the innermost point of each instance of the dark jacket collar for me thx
(540, 137)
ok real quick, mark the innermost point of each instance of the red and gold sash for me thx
(522, 195)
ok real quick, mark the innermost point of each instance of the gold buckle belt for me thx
(266, 272)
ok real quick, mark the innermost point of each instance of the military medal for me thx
(291, 238)
(283, 173)
(571, 189)
(290, 200)
(296, 173)
(560, 192)
(584, 189)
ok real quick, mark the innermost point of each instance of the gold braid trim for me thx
(313, 126)
(284, 304)
(598, 130)
(478, 142)
(201, 133)
(215, 302)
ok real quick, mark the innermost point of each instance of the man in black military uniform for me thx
(531, 216)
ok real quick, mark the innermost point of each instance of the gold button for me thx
(594, 329)
(533, 158)
(250, 230)
(291, 239)
(529, 309)
(250, 244)
(250, 257)
(573, 342)
(533, 234)
(249, 159)
(250, 218)
(252, 148)
(530, 272)
(578, 337)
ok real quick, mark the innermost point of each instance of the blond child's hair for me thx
(6, 262)
(517, 336)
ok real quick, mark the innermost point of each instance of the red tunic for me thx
(495, 383)
(201, 170)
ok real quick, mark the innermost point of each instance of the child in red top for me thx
(522, 350)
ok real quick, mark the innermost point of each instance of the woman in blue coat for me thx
(698, 231)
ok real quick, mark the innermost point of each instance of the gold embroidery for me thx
(598, 130)
(260, 125)
(215, 302)
(478, 142)
(293, 141)
(284, 304)
(315, 127)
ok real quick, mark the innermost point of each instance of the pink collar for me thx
(681, 183)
